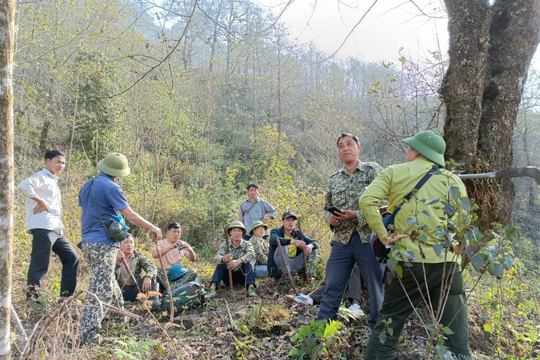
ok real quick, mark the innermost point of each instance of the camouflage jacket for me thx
(137, 264)
(261, 249)
(244, 251)
(343, 191)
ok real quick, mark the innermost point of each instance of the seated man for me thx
(354, 289)
(237, 259)
(172, 251)
(294, 245)
(129, 266)
(258, 228)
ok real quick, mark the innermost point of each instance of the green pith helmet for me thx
(117, 232)
(430, 144)
(237, 224)
(255, 225)
(114, 164)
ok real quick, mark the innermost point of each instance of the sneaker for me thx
(299, 299)
(251, 292)
(211, 294)
(355, 307)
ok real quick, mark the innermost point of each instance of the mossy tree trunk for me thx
(491, 47)
(7, 28)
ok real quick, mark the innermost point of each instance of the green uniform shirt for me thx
(244, 251)
(395, 182)
(343, 191)
(137, 264)
(260, 246)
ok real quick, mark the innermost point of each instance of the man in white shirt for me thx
(44, 221)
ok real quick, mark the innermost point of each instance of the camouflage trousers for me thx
(102, 259)
(189, 276)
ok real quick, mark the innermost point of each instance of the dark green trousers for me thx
(398, 307)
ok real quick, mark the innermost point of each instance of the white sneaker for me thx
(300, 299)
(303, 299)
(355, 307)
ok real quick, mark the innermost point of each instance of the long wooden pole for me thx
(227, 249)
(286, 263)
(167, 284)
(303, 252)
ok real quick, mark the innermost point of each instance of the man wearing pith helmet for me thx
(102, 203)
(237, 259)
(429, 270)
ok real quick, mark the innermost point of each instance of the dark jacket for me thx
(279, 234)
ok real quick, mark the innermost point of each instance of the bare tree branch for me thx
(162, 60)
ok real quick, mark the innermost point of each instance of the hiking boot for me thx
(251, 292)
(156, 302)
(299, 299)
(211, 294)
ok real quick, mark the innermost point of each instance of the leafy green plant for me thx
(133, 349)
(511, 316)
(314, 340)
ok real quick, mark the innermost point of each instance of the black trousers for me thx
(130, 292)
(41, 255)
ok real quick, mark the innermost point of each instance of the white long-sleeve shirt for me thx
(45, 185)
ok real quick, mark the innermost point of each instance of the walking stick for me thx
(227, 249)
(167, 284)
(287, 266)
(304, 253)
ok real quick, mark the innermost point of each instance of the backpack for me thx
(190, 296)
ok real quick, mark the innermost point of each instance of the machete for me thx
(527, 171)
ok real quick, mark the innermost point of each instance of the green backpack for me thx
(188, 296)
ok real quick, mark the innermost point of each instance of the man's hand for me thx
(334, 221)
(387, 240)
(157, 232)
(40, 206)
(344, 215)
(308, 250)
(299, 244)
(119, 256)
(227, 258)
(146, 285)
(183, 244)
(233, 264)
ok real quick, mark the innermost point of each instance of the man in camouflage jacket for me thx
(237, 259)
(350, 244)
(137, 263)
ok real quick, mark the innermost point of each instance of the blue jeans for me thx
(338, 271)
(41, 256)
(296, 264)
(261, 271)
(222, 274)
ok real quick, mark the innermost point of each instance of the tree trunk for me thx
(490, 52)
(7, 26)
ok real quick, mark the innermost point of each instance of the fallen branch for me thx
(22, 333)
